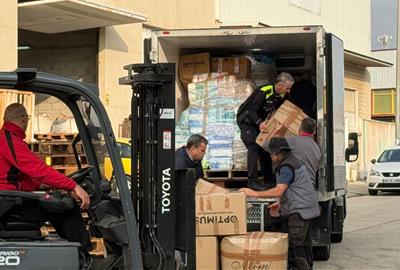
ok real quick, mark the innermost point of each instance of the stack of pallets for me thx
(56, 150)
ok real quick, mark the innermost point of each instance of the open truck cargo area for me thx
(304, 52)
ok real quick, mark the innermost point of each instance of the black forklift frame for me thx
(69, 90)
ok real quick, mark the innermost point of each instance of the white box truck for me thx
(307, 50)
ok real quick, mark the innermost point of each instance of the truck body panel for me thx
(309, 42)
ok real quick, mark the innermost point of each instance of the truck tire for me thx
(372, 192)
(322, 253)
(338, 216)
(337, 237)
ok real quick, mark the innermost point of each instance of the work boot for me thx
(255, 185)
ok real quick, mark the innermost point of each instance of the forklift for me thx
(143, 227)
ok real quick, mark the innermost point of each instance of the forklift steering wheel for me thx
(80, 174)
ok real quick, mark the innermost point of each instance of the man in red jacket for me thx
(22, 170)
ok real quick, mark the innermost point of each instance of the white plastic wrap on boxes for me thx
(212, 112)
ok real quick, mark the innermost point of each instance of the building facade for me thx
(92, 40)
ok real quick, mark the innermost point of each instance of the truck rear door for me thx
(335, 137)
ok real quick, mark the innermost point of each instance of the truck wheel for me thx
(338, 216)
(322, 253)
(337, 237)
(372, 192)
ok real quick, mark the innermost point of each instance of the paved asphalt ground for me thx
(371, 238)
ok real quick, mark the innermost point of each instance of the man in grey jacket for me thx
(298, 202)
(305, 148)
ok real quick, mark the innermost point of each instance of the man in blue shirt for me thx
(191, 155)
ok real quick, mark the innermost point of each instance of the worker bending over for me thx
(298, 203)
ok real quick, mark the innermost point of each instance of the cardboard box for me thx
(239, 66)
(219, 212)
(193, 64)
(205, 187)
(284, 122)
(256, 250)
(207, 253)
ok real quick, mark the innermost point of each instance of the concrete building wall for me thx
(8, 35)
(122, 45)
(349, 20)
(70, 54)
(384, 78)
(357, 79)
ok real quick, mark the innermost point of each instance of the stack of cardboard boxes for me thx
(221, 217)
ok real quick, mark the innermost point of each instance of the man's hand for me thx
(274, 209)
(262, 126)
(249, 192)
(80, 194)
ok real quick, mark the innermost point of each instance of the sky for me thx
(383, 22)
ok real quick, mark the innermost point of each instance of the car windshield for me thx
(392, 155)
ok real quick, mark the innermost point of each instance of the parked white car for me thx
(385, 173)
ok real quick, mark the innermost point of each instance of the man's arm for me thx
(254, 106)
(283, 180)
(31, 165)
(275, 192)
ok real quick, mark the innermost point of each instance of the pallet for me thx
(98, 247)
(55, 147)
(63, 159)
(66, 170)
(225, 175)
(54, 136)
(46, 230)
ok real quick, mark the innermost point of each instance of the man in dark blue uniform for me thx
(250, 119)
(191, 155)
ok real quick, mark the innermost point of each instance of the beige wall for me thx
(8, 35)
(358, 78)
(122, 45)
(349, 20)
(171, 13)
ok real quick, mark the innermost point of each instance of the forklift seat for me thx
(12, 228)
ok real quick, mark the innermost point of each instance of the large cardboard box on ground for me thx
(218, 211)
(256, 250)
(239, 66)
(284, 122)
(192, 64)
(207, 253)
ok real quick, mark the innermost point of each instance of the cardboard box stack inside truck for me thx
(216, 87)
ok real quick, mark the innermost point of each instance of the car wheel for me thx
(372, 192)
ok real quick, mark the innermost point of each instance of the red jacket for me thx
(32, 170)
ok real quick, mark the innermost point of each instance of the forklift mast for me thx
(153, 185)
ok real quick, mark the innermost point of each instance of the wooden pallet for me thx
(65, 169)
(62, 159)
(54, 136)
(98, 247)
(55, 147)
(225, 175)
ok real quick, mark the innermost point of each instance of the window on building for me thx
(383, 102)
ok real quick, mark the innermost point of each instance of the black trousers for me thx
(68, 224)
(300, 243)
(255, 153)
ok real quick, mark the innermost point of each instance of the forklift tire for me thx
(372, 192)
(336, 237)
(322, 253)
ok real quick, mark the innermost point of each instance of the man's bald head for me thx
(14, 112)
(17, 114)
